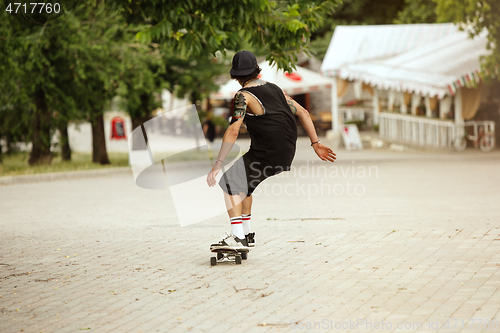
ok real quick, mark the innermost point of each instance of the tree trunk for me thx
(1, 148)
(64, 141)
(8, 143)
(139, 140)
(138, 143)
(194, 99)
(99, 152)
(40, 151)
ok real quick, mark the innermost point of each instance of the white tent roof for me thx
(352, 44)
(435, 69)
(298, 82)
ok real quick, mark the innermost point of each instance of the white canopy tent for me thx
(436, 69)
(428, 61)
(300, 81)
(353, 44)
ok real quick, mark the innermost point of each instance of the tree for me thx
(476, 16)
(14, 99)
(65, 69)
(26, 86)
(140, 77)
(99, 52)
(194, 27)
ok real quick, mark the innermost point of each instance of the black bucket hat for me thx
(244, 63)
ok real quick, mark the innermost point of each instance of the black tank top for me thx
(274, 133)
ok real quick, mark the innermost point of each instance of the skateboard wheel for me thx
(219, 256)
(213, 261)
(237, 258)
(244, 255)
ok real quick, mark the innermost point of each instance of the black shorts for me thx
(246, 174)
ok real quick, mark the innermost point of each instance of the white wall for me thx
(80, 134)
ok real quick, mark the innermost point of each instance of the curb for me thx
(53, 176)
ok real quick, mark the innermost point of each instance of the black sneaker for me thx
(231, 242)
(250, 238)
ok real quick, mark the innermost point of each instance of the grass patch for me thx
(16, 164)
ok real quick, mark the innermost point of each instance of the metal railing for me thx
(419, 131)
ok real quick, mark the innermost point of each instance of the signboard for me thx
(118, 128)
(351, 137)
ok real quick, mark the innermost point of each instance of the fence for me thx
(415, 130)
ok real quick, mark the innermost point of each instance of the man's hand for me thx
(211, 181)
(325, 153)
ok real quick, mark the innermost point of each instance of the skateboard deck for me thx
(224, 255)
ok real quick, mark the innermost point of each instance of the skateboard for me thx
(228, 255)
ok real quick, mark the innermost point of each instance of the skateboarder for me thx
(269, 116)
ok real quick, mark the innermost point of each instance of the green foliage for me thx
(71, 61)
(192, 76)
(417, 11)
(139, 78)
(282, 28)
(319, 46)
(96, 54)
(475, 17)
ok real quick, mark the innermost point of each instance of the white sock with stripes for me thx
(246, 223)
(237, 227)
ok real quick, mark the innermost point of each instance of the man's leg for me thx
(233, 204)
(247, 206)
(234, 208)
(247, 214)
(246, 217)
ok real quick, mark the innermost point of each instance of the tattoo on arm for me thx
(292, 107)
(240, 107)
(289, 100)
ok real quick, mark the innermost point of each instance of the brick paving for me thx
(419, 246)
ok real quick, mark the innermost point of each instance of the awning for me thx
(436, 69)
(298, 82)
(355, 43)
(428, 59)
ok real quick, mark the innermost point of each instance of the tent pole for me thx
(335, 106)
(459, 121)
(376, 107)
(442, 114)
(428, 111)
(404, 108)
(458, 108)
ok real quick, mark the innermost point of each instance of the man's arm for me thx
(323, 152)
(304, 117)
(231, 134)
(240, 107)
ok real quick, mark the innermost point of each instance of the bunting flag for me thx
(469, 80)
(451, 89)
(476, 78)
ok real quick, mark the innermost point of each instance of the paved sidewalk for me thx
(414, 242)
